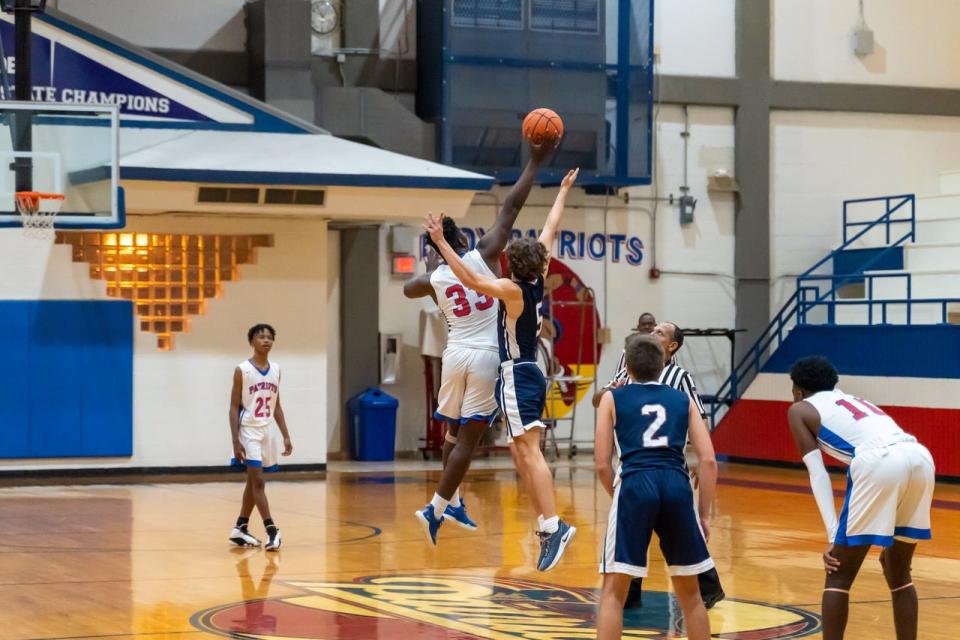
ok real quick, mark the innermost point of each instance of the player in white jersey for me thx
(889, 491)
(471, 360)
(521, 387)
(255, 415)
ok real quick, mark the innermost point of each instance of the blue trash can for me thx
(373, 417)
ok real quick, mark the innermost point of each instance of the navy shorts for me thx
(654, 501)
(521, 395)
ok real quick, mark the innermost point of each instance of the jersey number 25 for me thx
(263, 407)
(459, 296)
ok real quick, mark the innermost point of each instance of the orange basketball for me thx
(542, 124)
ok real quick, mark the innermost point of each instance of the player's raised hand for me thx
(539, 152)
(570, 178)
(434, 227)
(287, 446)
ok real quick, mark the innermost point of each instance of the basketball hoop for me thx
(38, 211)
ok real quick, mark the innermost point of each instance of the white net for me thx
(38, 211)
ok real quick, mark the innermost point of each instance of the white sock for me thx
(550, 525)
(455, 500)
(439, 505)
(540, 522)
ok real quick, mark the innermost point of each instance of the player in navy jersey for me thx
(649, 423)
(470, 361)
(521, 387)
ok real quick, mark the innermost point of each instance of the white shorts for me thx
(889, 491)
(466, 385)
(261, 445)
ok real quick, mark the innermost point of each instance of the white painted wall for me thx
(696, 289)
(171, 24)
(181, 397)
(916, 42)
(695, 37)
(819, 159)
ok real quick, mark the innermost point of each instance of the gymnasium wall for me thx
(694, 37)
(181, 397)
(891, 366)
(187, 25)
(821, 158)
(915, 42)
(695, 289)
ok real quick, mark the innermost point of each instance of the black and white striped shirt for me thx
(673, 375)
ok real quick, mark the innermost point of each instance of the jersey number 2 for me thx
(858, 413)
(650, 438)
(459, 296)
(263, 408)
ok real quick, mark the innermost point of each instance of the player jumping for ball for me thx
(255, 414)
(471, 359)
(521, 388)
(889, 490)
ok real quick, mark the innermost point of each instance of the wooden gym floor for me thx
(152, 562)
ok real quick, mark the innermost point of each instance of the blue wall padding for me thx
(76, 357)
(908, 351)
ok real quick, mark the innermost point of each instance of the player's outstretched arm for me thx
(500, 288)
(494, 241)
(603, 442)
(236, 397)
(550, 227)
(707, 468)
(419, 287)
(803, 418)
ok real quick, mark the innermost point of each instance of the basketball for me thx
(542, 124)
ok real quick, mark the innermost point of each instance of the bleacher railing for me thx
(819, 291)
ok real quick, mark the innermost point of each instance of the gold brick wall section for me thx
(169, 277)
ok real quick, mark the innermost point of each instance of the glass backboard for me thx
(62, 148)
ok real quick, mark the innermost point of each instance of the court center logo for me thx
(468, 607)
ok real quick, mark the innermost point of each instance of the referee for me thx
(646, 323)
(673, 375)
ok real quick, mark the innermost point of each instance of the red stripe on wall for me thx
(757, 430)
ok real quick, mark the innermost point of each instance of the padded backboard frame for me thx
(75, 151)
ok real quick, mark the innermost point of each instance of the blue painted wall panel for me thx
(56, 343)
(911, 351)
(108, 351)
(77, 358)
(14, 427)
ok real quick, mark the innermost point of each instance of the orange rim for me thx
(38, 195)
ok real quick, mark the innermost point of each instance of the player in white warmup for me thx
(255, 416)
(471, 359)
(889, 491)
